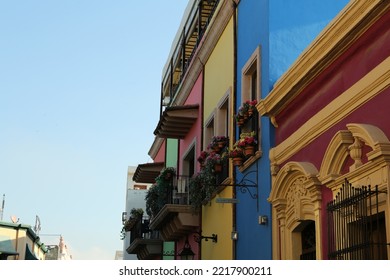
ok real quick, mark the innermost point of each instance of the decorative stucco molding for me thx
(296, 199)
(367, 88)
(347, 144)
(341, 33)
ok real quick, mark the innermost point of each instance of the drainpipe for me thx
(201, 145)
(234, 106)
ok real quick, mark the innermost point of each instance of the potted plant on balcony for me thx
(242, 115)
(135, 216)
(245, 111)
(214, 161)
(136, 213)
(251, 105)
(247, 143)
(237, 155)
(167, 174)
(202, 158)
(218, 143)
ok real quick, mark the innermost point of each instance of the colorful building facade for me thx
(316, 75)
(330, 168)
(270, 37)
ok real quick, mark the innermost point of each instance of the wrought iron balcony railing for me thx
(141, 230)
(179, 193)
(182, 54)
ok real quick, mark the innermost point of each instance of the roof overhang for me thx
(148, 172)
(176, 121)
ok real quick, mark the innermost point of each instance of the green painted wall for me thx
(168, 249)
(172, 153)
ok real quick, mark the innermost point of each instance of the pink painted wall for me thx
(195, 97)
(160, 157)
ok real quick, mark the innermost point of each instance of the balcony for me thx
(176, 218)
(186, 45)
(145, 243)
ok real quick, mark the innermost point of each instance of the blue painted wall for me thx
(283, 29)
(293, 25)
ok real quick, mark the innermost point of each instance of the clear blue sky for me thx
(79, 101)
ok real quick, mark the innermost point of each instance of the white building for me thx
(135, 198)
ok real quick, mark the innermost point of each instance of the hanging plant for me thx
(202, 186)
(202, 158)
(166, 174)
(152, 204)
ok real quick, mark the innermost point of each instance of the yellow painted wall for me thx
(217, 218)
(219, 71)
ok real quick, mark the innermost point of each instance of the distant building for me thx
(135, 198)
(59, 251)
(19, 242)
(52, 253)
(118, 255)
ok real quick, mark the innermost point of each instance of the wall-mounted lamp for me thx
(263, 220)
(198, 238)
(234, 235)
(185, 254)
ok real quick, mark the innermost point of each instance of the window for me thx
(189, 162)
(357, 229)
(218, 124)
(308, 241)
(250, 77)
(250, 91)
(209, 131)
(223, 116)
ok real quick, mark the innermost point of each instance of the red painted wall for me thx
(369, 51)
(375, 112)
(365, 54)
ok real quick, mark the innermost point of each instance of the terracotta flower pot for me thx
(217, 168)
(237, 161)
(249, 150)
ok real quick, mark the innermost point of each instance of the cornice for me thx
(371, 85)
(343, 31)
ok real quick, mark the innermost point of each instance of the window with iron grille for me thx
(356, 228)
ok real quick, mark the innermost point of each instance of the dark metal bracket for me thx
(245, 185)
(198, 237)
